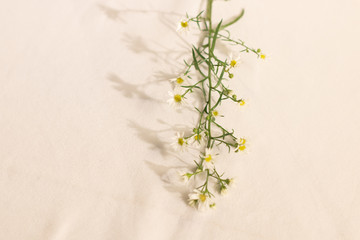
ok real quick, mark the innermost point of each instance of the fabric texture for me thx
(85, 129)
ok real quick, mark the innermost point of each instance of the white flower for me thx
(216, 113)
(234, 61)
(177, 177)
(228, 92)
(177, 99)
(209, 158)
(180, 142)
(230, 182)
(242, 142)
(179, 81)
(227, 183)
(242, 102)
(198, 140)
(184, 176)
(223, 190)
(200, 200)
(183, 25)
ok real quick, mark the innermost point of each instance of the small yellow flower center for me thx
(197, 137)
(202, 197)
(184, 24)
(181, 141)
(177, 98)
(242, 140)
(215, 113)
(242, 102)
(233, 63)
(179, 80)
(262, 56)
(242, 147)
(208, 158)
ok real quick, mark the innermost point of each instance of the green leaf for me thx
(215, 36)
(195, 60)
(198, 52)
(237, 18)
(220, 77)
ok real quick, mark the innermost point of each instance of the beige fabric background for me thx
(84, 124)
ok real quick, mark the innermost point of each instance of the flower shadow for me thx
(158, 53)
(130, 90)
(162, 171)
(151, 137)
(166, 168)
(164, 56)
(112, 13)
(118, 14)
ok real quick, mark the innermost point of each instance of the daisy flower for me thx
(200, 200)
(234, 61)
(209, 158)
(183, 25)
(241, 145)
(216, 113)
(228, 92)
(242, 102)
(198, 139)
(177, 99)
(177, 177)
(184, 176)
(261, 54)
(180, 142)
(230, 182)
(179, 81)
(223, 190)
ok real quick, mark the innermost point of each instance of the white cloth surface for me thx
(85, 127)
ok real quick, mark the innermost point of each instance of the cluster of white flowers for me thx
(180, 143)
(203, 136)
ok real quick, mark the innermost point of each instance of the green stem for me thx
(208, 18)
(239, 43)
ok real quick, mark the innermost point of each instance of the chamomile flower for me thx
(261, 54)
(216, 113)
(183, 25)
(209, 158)
(179, 81)
(234, 61)
(223, 190)
(179, 143)
(177, 99)
(228, 92)
(241, 145)
(227, 183)
(242, 102)
(176, 176)
(198, 140)
(201, 200)
(230, 182)
(184, 176)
